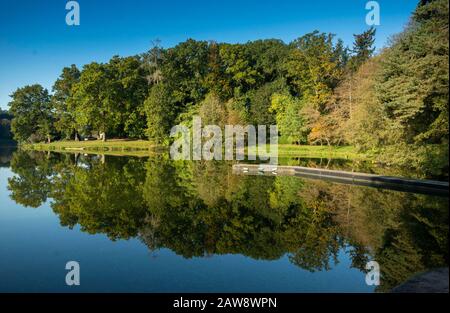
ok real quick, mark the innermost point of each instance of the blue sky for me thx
(36, 43)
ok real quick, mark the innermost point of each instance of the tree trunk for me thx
(49, 140)
(76, 137)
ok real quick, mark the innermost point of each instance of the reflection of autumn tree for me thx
(418, 241)
(405, 233)
(30, 186)
(345, 205)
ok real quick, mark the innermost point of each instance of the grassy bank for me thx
(304, 151)
(145, 148)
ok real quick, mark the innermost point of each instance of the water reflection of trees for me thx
(200, 208)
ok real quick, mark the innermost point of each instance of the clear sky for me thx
(36, 43)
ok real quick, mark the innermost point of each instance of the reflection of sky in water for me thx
(34, 249)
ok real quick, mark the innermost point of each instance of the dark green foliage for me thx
(363, 48)
(5, 126)
(184, 68)
(259, 102)
(62, 91)
(32, 111)
(413, 89)
(159, 109)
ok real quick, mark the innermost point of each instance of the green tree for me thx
(259, 101)
(129, 88)
(313, 68)
(290, 123)
(33, 119)
(184, 69)
(93, 99)
(159, 110)
(363, 48)
(413, 90)
(109, 98)
(240, 73)
(267, 58)
(213, 111)
(64, 113)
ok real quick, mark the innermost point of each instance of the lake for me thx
(157, 225)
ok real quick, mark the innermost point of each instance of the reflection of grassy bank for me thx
(143, 147)
(113, 147)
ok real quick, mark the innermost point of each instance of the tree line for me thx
(315, 89)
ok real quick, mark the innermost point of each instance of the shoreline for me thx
(145, 148)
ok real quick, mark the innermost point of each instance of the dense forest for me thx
(393, 103)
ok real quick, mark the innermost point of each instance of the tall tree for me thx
(337, 123)
(64, 111)
(215, 78)
(357, 110)
(313, 69)
(33, 119)
(129, 84)
(291, 125)
(268, 57)
(258, 102)
(152, 61)
(413, 87)
(184, 69)
(363, 48)
(240, 73)
(94, 98)
(160, 113)
(109, 98)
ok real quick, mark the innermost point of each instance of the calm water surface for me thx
(154, 225)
